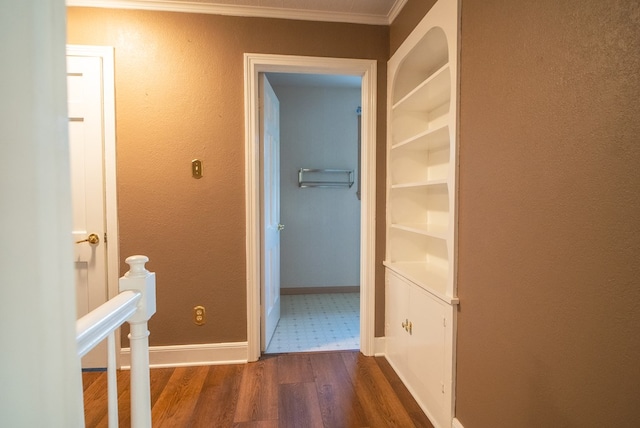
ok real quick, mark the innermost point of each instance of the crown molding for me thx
(242, 10)
(395, 10)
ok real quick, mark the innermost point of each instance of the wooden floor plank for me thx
(383, 407)
(257, 424)
(299, 406)
(218, 398)
(124, 409)
(101, 418)
(177, 402)
(329, 389)
(158, 377)
(258, 399)
(124, 400)
(339, 404)
(294, 368)
(89, 377)
(95, 399)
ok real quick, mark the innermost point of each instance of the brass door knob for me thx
(91, 239)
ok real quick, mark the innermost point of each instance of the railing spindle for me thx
(112, 381)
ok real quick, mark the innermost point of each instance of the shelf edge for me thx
(407, 228)
(422, 134)
(437, 182)
(424, 83)
(450, 300)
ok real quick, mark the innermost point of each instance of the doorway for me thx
(91, 103)
(255, 64)
(320, 239)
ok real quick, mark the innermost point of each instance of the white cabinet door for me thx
(419, 345)
(426, 351)
(397, 306)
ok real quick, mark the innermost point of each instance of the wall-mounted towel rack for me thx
(308, 177)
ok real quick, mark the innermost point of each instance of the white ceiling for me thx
(375, 12)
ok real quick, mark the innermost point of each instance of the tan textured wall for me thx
(549, 214)
(179, 96)
(410, 15)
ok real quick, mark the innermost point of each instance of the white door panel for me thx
(84, 88)
(270, 152)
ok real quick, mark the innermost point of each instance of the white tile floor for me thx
(317, 322)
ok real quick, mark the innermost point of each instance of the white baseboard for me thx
(456, 424)
(379, 346)
(191, 355)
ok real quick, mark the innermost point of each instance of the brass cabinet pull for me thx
(408, 326)
(91, 239)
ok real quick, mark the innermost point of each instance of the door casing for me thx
(267, 63)
(106, 54)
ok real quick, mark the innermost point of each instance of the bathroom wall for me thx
(320, 245)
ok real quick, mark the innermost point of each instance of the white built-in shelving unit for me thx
(421, 210)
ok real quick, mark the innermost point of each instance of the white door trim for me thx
(105, 53)
(260, 63)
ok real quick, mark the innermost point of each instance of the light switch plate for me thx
(196, 168)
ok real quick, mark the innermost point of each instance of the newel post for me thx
(140, 279)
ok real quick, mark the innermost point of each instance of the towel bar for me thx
(308, 177)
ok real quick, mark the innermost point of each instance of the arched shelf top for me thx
(427, 57)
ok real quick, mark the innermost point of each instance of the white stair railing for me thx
(135, 304)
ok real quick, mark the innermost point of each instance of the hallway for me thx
(325, 389)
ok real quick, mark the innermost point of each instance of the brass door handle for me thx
(280, 226)
(91, 239)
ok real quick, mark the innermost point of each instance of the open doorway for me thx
(319, 211)
(255, 65)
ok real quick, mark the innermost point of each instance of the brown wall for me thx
(549, 214)
(179, 96)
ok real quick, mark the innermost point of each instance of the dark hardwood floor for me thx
(324, 389)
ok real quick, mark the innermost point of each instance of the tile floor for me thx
(317, 322)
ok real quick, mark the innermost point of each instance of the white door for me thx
(84, 88)
(270, 153)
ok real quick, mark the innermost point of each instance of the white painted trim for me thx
(41, 377)
(242, 10)
(380, 346)
(456, 423)
(106, 54)
(94, 327)
(191, 355)
(259, 63)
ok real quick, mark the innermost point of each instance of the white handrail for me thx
(94, 327)
(135, 304)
